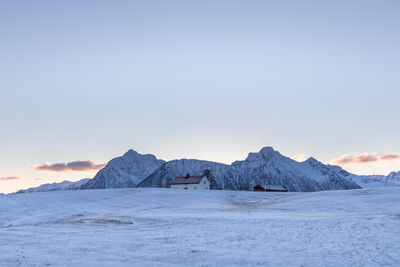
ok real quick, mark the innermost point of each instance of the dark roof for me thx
(272, 187)
(187, 179)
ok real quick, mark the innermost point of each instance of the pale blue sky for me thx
(87, 80)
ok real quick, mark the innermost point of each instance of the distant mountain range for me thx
(64, 185)
(265, 167)
(367, 181)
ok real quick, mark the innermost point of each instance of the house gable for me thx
(191, 182)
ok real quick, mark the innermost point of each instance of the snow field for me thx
(164, 227)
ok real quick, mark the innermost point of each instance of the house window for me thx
(204, 182)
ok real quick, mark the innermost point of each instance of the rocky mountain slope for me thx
(125, 171)
(266, 166)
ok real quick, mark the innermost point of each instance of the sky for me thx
(81, 82)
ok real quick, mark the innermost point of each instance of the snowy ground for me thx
(153, 227)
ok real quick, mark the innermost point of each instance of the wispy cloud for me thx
(390, 157)
(10, 178)
(38, 179)
(364, 158)
(299, 157)
(80, 165)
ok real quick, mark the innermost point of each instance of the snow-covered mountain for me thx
(223, 176)
(393, 177)
(64, 185)
(365, 181)
(266, 166)
(125, 171)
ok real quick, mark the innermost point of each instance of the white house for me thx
(191, 182)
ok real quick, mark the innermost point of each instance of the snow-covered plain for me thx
(159, 227)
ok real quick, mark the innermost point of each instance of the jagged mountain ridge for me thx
(266, 166)
(125, 171)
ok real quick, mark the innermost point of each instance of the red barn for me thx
(270, 188)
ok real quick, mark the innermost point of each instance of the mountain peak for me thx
(312, 160)
(395, 173)
(125, 171)
(267, 150)
(394, 177)
(130, 153)
(265, 154)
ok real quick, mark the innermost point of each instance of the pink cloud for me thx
(364, 158)
(80, 165)
(342, 160)
(10, 178)
(390, 157)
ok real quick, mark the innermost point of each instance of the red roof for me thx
(271, 188)
(187, 180)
